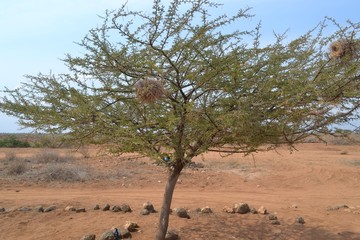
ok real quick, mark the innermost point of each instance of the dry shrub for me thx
(17, 168)
(149, 90)
(342, 48)
(53, 157)
(10, 156)
(64, 172)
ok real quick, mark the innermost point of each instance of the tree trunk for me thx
(165, 208)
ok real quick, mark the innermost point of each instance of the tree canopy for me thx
(178, 81)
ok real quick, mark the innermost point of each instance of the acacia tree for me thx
(178, 81)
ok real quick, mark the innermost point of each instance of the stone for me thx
(300, 220)
(253, 210)
(80, 210)
(39, 209)
(131, 226)
(144, 212)
(89, 237)
(262, 210)
(336, 207)
(275, 222)
(181, 212)
(24, 209)
(108, 235)
(106, 207)
(228, 209)
(116, 208)
(96, 207)
(50, 208)
(125, 208)
(172, 235)
(241, 208)
(149, 206)
(206, 210)
(70, 208)
(2, 209)
(272, 217)
(124, 233)
(294, 206)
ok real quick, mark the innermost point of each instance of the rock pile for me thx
(244, 208)
(125, 230)
(147, 208)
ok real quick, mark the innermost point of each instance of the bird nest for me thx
(149, 90)
(342, 48)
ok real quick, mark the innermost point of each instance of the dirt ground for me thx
(310, 183)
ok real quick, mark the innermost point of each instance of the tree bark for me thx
(165, 208)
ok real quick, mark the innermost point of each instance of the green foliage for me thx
(12, 142)
(220, 89)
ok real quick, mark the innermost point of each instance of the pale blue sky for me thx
(35, 34)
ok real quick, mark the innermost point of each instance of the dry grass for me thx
(16, 167)
(10, 156)
(64, 173)
(47, 166)
(46, 157)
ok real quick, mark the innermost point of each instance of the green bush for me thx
(12, 142)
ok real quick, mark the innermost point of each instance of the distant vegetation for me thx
(12, 142)
(25, 140)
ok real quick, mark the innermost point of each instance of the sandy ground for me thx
(305, 183)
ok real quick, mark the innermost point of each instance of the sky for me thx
(36, 34)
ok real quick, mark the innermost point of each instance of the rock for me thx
(80, 210)
(275, 222)
(106, 207)
(336, 207)
(2, 209)
(241, 208)
(262, 210)
(96, 207)
(131, 226)
(24, 209)
(39, 209)
(116, 208)
(228, 209)
(49, 209)
(70, 208)
(108, 235)
(172, 235)
(123, 233)
(253, 210)
(300, 220)
(88, 237)
(181, 212)
(272, 217)
(144, 212)
(149, 206)
(206, 210)
(294, 206)
(125, 208)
